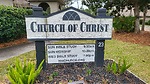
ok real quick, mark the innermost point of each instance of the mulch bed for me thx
(143, 38)
(13, 43)
(80, 71)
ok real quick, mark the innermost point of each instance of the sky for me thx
(80, 4)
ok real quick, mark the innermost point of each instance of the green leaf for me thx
(11, 79)
(24, 74)
(114, 68)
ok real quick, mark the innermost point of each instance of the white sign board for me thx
(68, 24)
(71, 53)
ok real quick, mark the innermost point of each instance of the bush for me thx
(12, 23)
(24, 73)
(124, 24)
(147, 23)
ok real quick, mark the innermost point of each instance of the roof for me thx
(60, 1)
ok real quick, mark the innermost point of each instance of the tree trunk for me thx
(144, 17)
(136, 14)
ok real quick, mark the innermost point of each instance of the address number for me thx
(100, 44)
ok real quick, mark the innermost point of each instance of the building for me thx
(6, 2)
(48, 5)
(21, 3)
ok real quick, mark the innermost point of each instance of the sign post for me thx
(100, 44)
(99, 52)
(39, 45)
(69, 24)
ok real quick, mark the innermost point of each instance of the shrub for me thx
(147, 23)
(124, 24)
(119, 68)
(12, 23)
(23, 73)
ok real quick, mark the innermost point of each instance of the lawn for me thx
(138, 55)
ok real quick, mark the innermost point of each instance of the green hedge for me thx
(124, 24)
(12, 23)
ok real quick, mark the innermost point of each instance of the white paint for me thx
(71, 53)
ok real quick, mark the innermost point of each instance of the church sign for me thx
(68, 24)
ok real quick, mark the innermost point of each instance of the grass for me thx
(138, 55)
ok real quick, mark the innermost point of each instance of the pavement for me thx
(9, 52)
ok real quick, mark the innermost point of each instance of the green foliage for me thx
(124, 24)
(123, 66)
(119, 68)
(54, 74)
(12, 22)
(88, 72)
(113, 6)
(48, 10)
(147, 23)
(89, 11)
(24, 73)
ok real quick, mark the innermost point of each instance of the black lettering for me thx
(82, 26)
(62, 27)
(106, 28)
(70, 28)
(51, 27)
(33, 24)
(93, 27)
(56, 27)
(88, 28)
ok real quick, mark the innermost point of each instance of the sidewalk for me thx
(10, 52)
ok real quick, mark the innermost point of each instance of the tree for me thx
(144, 8)
(93, 4)
(136, 5)
(139, 4)
(113, 6)
(117, 6)
(68, 3)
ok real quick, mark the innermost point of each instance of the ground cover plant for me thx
(118, 68)
(23, 73)
(30, 56)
